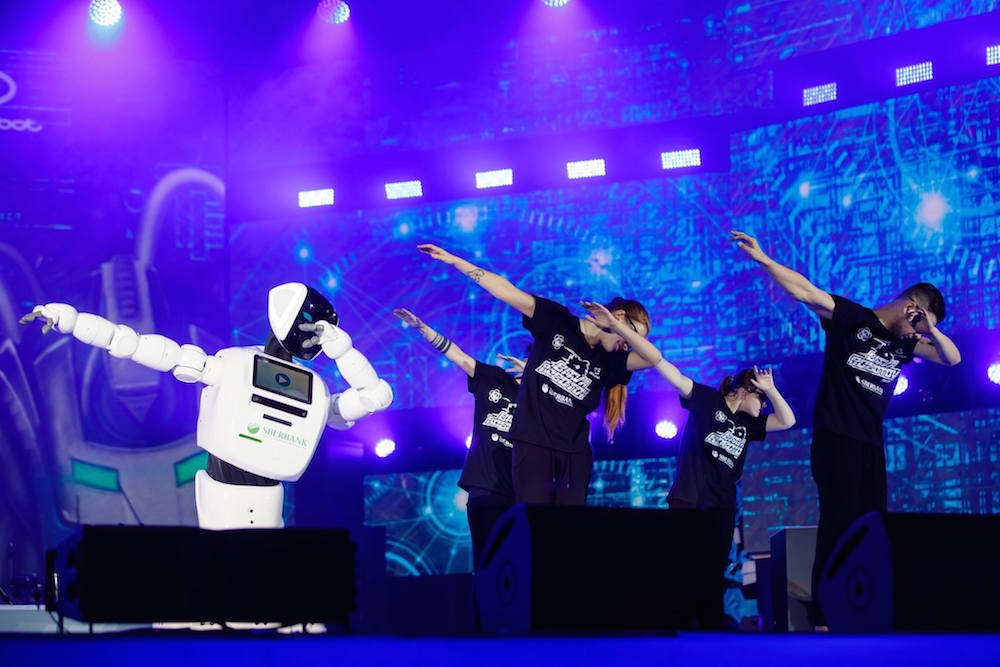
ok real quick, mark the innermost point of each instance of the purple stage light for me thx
(404, 190)
(497, 178)
(105, 13)
(468, 441)
(993, 373)
(993, 55)
(335, 12)
(679, 159)
(585, 168)
(384, 448)
(310, 198)
(911, 74)
(555, 4)
(901, 385)
(819, 94)
(666, 429)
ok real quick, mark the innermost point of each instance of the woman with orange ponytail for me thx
(572, 362)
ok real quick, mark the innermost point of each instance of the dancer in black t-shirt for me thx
(865, 351)
(486, 475)
(721, 424)
(571, 362)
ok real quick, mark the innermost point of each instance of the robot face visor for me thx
(315, 308)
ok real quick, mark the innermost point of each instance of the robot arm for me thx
(189, 363)
(368, 393)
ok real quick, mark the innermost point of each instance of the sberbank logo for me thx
(253, 427)
(284, 436)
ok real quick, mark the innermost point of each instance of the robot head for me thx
(292, 304)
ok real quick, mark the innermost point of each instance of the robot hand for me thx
(335, 341)
(59, 315)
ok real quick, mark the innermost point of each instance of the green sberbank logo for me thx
(253, 427)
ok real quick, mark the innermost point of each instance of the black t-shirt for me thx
(861, 364)
(713, 449)
(562, 381)
(488, 463)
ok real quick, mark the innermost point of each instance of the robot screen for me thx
(283, 379)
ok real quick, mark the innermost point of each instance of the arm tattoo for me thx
(476, 275)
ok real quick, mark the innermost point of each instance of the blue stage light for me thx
(105, 13)
(585, 168)
(334, 12)
(993, 373)
(404, 190)
(902, 384)
(384, 448)
(555, 4)
(914, 73)
(819, 94)
(666, 429)
(310, 198)
(468, 441)
(993, 55)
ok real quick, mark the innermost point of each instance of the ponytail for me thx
(614, 408)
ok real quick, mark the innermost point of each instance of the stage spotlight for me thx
(585, 168)
(914, 73)
(494, 179)
(334, 12)
(310, 198)
(105, 13)
(819, 94)
(901, 385)
(404, 190)
(468, 441)
(993, 373)
(680, 159)
(993, 55)
(384, 448)
(666, 429)
(555, 4)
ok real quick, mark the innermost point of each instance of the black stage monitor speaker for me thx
(580, 569)
(914, 573)
(141, 574)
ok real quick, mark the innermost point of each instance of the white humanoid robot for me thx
(261, 414)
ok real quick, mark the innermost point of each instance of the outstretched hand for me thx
(600, 315)
(749, 245)
(764, 379)
(440, 254)
(42, 313)
(408, 318)
(518, 364)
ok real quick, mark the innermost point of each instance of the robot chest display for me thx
(265, 416)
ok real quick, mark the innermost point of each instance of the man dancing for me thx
(865, 350)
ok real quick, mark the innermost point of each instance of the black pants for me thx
(483, 510)
(725, 520)
(850, 479)
(546, 476)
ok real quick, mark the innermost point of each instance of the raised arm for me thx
(448, 348)
(368, 393)
(795, 284)
(782, 418)
(932, 343)
(644, 354)
(496, 285)
(188, 363)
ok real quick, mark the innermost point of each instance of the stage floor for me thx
(701, 649)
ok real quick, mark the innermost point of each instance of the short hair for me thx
(928, 296)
